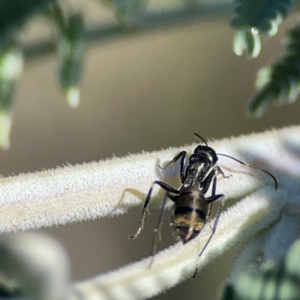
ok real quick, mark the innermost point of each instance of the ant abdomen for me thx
(190, 210)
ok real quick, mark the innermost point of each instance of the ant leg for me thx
(181, 155)
(212, 234)
(210, 200)
(157, 230)
(163, 185)
(213, 197)
(208, 218)
(206, 184)
(212, 174)
(213, 192)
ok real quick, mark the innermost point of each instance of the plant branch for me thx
(14, 13)
(117, 185)
(152, 21)
(114, 186)
(178, 263)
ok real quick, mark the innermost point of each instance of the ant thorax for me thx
(199, 166)
(195, 173)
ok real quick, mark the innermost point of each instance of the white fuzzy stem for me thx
(178, 263)
(98, 189)
(111, 187)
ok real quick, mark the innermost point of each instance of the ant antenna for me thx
(200, 138)
(250, 166)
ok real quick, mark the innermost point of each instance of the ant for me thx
(191, 207)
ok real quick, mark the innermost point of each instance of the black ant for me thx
(191, 206)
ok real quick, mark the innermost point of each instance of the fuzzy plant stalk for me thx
(119, 185)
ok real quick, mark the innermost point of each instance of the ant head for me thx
(206, 151)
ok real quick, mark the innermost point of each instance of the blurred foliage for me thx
(11, 68)
(276, 281)
(70, 51)
(252, 17)
(260, 14)
(13, 14)
(128, 12)
(9, 288)
(11, 63)
(277, 84)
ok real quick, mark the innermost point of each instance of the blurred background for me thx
(148, 90)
